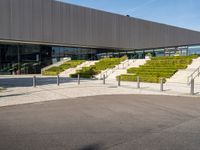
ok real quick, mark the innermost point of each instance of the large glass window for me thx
(10, 59)
(159, 52)
(194, 50)
(29, 58)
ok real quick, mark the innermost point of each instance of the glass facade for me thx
(19, 59)
(194, 50)
(30, 59)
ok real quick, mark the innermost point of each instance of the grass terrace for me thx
(103, 64)
(157, 68)
(53, 71)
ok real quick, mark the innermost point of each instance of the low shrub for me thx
(137, 70)
(175, 57)
(103, 64)
(158, 67)
(146, 78)
(53, 71)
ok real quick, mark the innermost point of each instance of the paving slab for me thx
(20, 90)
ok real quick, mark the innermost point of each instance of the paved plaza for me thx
(117, 122)
(19, 89)
(94, 116)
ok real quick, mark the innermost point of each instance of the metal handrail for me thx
(55, 64)
(193, 76)
(107, 72)
(79, 66)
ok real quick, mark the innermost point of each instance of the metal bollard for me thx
(192, 87)
(104, 79)
(79, 79)
(34, 81)
(119, 80)
(138, 82)
(161, 84)
(58, 80)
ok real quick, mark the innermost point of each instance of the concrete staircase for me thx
(111, 74)
(55, 64)
(182, 75)
(67, 72)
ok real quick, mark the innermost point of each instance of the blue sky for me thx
(182, 13)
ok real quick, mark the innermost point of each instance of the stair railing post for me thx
(104, 79)
(78, 79)
(34, 81)
(119, 80)
(192, 87)
(58, 80)
(161, 85)
(138, 82)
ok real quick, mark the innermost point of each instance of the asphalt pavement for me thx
(115, 122)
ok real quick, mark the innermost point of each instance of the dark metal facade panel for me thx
(37, 20)
(5, 18)
(26, 20)
(16, 19)
(57, 23)
(48, 21)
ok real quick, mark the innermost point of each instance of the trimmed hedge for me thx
(157, 68)
(164, 70)
(175, 57)
(103, 64)
(85, 72)
(133, 78)
(53, 71)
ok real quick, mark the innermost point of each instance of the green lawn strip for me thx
(53, 71)
(103, 64)
(157, 68)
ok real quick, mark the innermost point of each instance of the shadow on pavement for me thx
(90, 147)
(12, 95)
(28, 81)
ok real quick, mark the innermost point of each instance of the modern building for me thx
(37, 33)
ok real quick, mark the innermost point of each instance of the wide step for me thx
(182, 75)
(67, 72)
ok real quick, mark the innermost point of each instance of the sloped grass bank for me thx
(53, 71)
(157, 68)
(103, 64)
